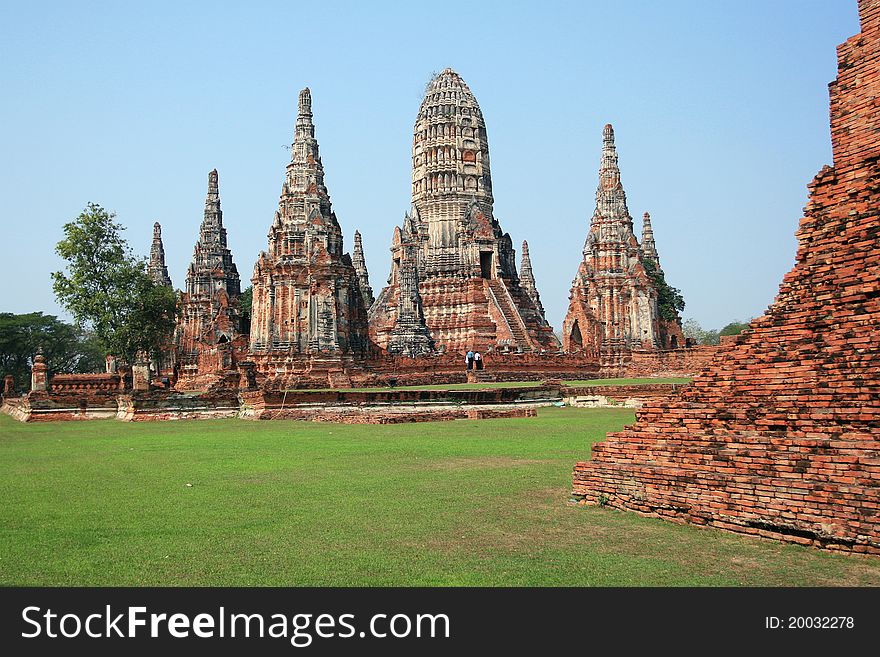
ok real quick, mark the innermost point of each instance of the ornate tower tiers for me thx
(468, 290)
(613, 301)
(307, 298)
(156, 268)
(209, 306)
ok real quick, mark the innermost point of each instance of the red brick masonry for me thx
(780, 436)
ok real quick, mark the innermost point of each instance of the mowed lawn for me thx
(298, 503)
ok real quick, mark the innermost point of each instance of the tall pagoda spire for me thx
(212, 259)
(360, 267)
(527, 280)
(649, 247)
(610, 196)
(306, 292)
(613, 301)
(305, 173)
(212, 231)
(157, 269)
(209, 312)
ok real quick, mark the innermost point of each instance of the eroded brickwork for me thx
(156, 268)
(209, 307)
(307, 298)
(613, 300)
(527, 282)
(360, 267)
(780, 437)
(454, 284)
(666, 363)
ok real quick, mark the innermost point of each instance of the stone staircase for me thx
(502, 299)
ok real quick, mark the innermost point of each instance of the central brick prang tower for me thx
(452, 248)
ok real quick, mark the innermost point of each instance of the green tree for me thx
(692, 329)
(734, 328)
(108, 290)
(67, 348)
(246, 300)
(670, 302)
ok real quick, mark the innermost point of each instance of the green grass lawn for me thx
(298, 503)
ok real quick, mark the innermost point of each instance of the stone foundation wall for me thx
(51, 407)
(670, 363)
(632, 396)
(375, 415)
(382, 407)
(141, 407)
(16, 407)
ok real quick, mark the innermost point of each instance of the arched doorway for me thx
(575, 339)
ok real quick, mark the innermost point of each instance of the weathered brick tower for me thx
(613, 300)
(467, 293)
(210, 304)
(307, 299)
(164, 363)
(156, 268)
(527, 280)
(780, 436)
(360, 267)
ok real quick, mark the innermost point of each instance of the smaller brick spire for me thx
(157, 269)
(360, 268)
(305, 102)
(648, 246)
(610, 196)
(527, 279)
(212, 231)
(410, 335)
(211, 255)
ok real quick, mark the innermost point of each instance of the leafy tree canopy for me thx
(108, 290)
(670, 302)
(67, 348)
(734, 328)
(246, 300)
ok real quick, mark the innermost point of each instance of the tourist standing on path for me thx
(478, 359)
(469, 359)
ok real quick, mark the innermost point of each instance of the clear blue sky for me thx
(720, 110)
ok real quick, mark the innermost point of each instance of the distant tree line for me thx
(699, 335)
(67, 348)
(117, 308)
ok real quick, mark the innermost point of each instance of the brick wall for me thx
(780, 436)
(673, 362)
(631, 395)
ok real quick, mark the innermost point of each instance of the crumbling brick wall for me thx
(673, 362)
(780, 436)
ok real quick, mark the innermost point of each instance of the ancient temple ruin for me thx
(527, 281)
(360, 267)
(453, 283)
(209, 307)
(156, 268)
(307, 297)
(613, 304)
(779, 436)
